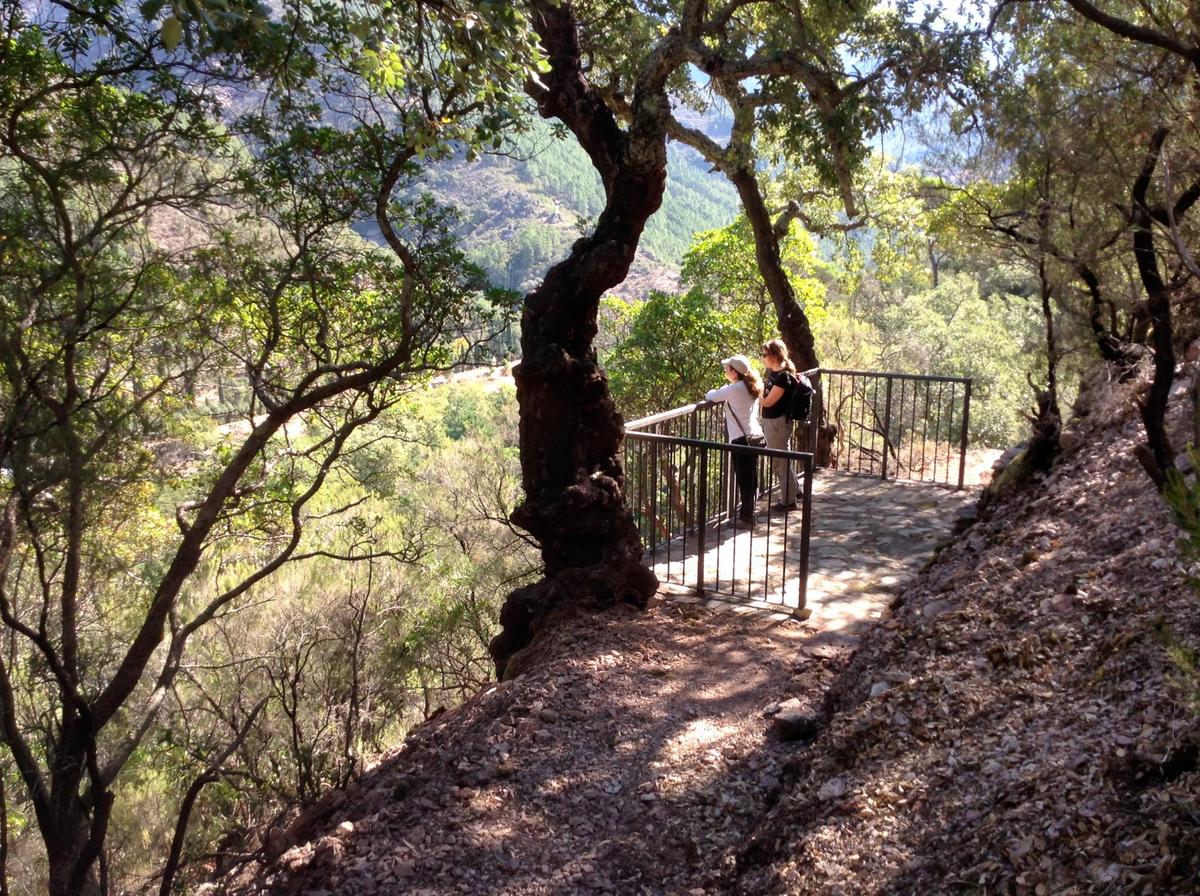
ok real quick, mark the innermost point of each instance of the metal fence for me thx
(679, 483)
(892, 425)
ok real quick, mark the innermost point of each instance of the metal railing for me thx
(680, 485)
(892, 425)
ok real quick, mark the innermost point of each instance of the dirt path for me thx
(636, 760)
(1013, 726)
(639, 754)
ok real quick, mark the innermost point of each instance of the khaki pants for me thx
(778, 431)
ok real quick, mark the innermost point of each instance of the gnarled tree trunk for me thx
(570, 430)
(1111, 348)
(1161, 457)
(1045, 440)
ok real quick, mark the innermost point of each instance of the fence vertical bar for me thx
(664, 473)
(654, 495)
(703, 527)
(912, 431)
(962, 450)
(816, 412)
(875, 415)
(782, 544)
(887, 425)
(805, 531)
(644, 530)
(937, 427)
(851, 424)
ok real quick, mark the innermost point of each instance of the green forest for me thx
(541, 194)
(273, 494)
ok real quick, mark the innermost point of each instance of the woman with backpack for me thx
(781, 379)
(741, 396)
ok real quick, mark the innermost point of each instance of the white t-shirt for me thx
(745, 405)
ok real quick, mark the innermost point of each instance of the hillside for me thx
(522, 212)
(1012, 726)
(1039, 741)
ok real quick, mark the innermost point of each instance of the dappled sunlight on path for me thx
(639, 752)
(634, 758)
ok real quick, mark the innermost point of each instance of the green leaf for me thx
(172, 31)
(151, 8)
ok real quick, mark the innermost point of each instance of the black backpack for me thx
(799, 398)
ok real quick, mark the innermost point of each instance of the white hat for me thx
(740, 363)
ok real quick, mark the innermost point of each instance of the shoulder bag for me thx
(752, 439)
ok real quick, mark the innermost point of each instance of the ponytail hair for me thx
(778, 350)
(752, 381)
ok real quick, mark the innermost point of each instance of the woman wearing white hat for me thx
(741, 424)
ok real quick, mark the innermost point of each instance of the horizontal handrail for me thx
(662, 416)
(804, 457)
(684, 410)
(894, 425)
(921, 377)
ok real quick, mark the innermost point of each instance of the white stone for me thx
(833, 789)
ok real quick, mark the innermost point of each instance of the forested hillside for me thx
(521, 211)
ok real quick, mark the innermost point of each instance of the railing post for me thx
(887, 424)
(805, 529)
(962, 451)
(815, 412)
(700, 540)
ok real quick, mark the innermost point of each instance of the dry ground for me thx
(1015, 726)
(636, 759)
(1011, 727)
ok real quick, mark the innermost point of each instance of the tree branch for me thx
(1136, 33)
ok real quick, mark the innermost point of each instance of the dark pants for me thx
(745, 471)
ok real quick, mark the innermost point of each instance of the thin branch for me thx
(210, 774)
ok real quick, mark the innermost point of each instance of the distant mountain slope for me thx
(521, 213)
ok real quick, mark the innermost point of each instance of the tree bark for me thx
(3, 837)
(1158, 308)
(71, 853)
(570, 430)
(735, 161)
(794, 327)
(79, 815)
(1044, 443)
(1110, 346)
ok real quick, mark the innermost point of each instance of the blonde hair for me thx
(778, 350)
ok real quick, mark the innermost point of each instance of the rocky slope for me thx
(1013, 726)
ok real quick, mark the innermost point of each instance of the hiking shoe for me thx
(779, 505)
